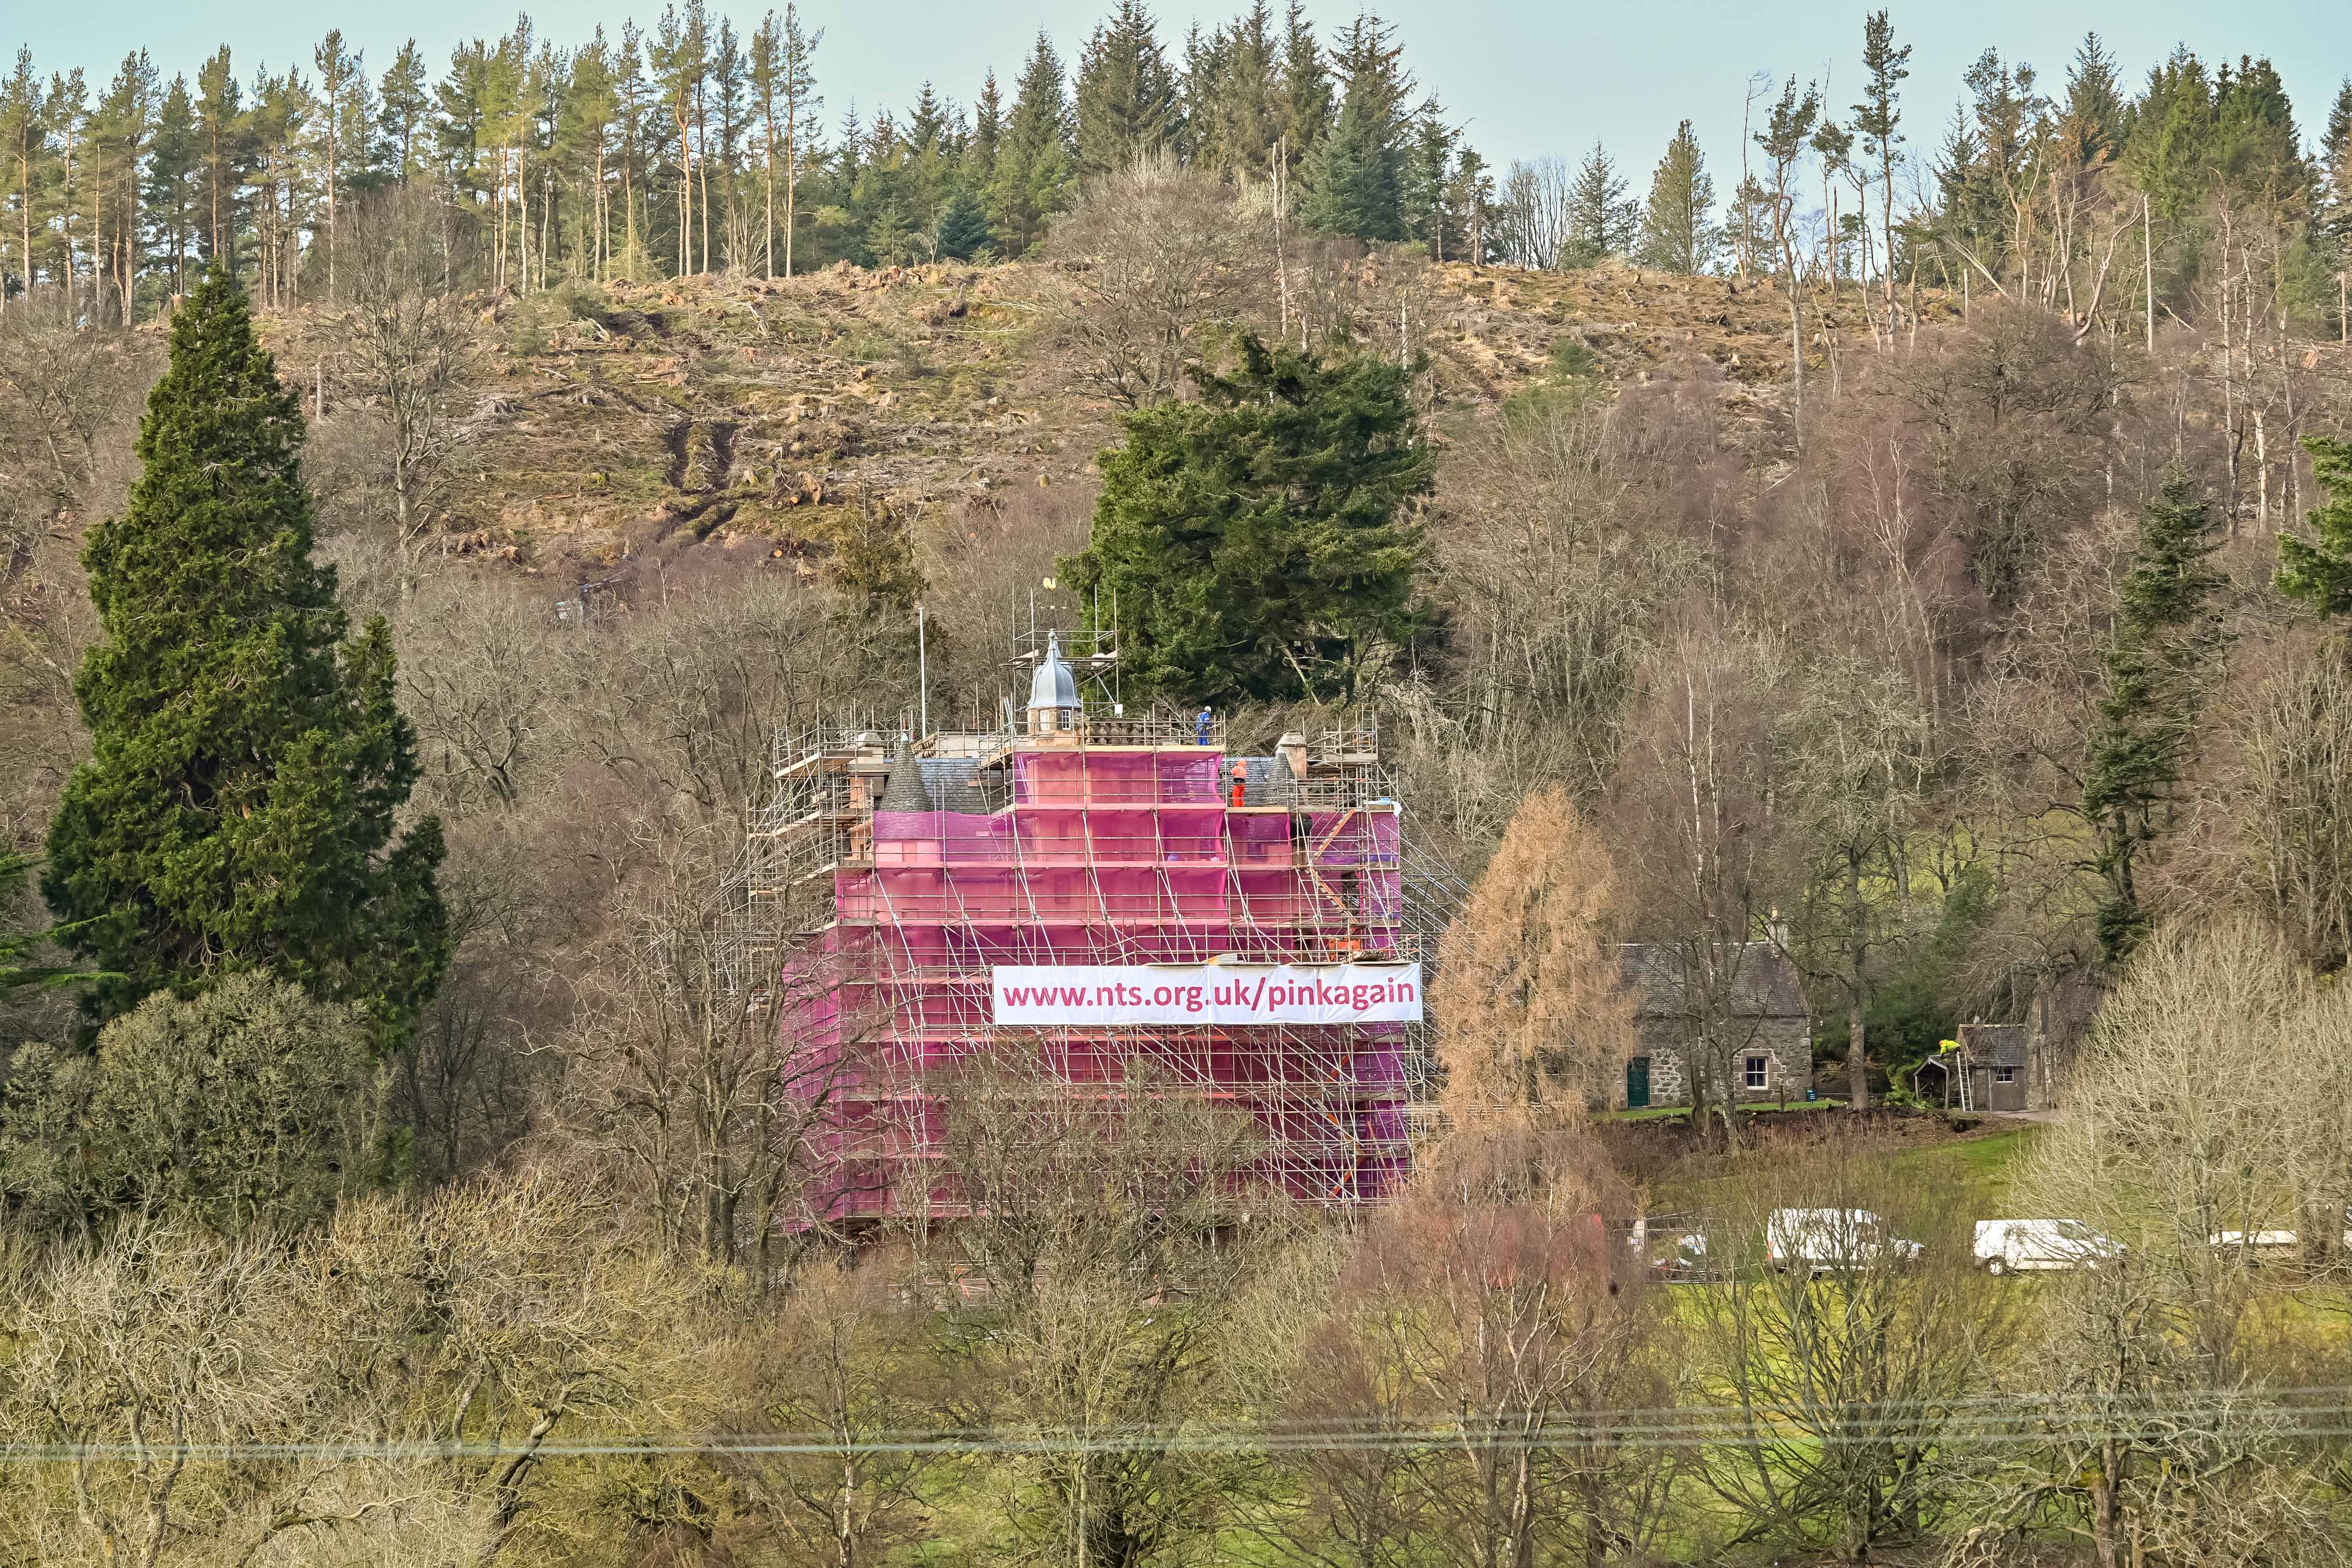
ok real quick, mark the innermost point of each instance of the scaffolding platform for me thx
(897, 875)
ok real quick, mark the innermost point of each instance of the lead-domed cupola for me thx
(1053, 706)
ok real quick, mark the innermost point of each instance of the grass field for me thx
(1970, 1173)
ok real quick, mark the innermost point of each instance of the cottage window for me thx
(1758, 1073)
(2004, 1074)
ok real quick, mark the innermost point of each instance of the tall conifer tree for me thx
(1678, 232)
(1035, 159)
(248, 758)
(1127, 97)
(2165, 629)
(1355, 175)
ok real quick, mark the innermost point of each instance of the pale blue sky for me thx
(1529, 78)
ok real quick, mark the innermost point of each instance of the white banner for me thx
(1226, 994)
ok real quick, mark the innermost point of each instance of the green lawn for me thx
(1970, 1174)
(1975, 1168)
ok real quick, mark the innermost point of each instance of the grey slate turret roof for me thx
(906, 790)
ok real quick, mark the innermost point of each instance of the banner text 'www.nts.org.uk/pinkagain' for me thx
(1038, 996)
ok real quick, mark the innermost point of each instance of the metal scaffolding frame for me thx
(1111, 841)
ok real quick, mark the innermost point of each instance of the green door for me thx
(1637, 1083)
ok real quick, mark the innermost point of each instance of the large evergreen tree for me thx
(1355, 176)
(2335, 160)
(1236, 80)
(2165, 629)
(1035, 158)
(1250, 540)
(1127, 99)
(248, 758)
(1303, 113)
(1878, 120)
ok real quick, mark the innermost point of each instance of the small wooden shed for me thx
(1987, 1070)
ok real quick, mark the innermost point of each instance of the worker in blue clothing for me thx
(1201, 729)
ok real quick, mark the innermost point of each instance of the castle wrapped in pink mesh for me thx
(907, 876)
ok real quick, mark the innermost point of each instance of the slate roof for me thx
(953, 783)
(906, 790)
(1764, 987)
(1993, 1044)
(1269, 782)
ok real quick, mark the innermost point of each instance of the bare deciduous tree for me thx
(1111, 1231)
(406, 345)
(677, 1071)
(2296, 740)
(1844, 1373)
(849, 1360)
(1160, 255)
(2150, 1435)
(1694, 810)
(127, 1353)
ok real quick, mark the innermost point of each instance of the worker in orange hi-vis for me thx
(1241, 782)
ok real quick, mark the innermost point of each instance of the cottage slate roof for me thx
(1764, 984)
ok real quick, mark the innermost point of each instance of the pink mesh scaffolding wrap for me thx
(1107, 858)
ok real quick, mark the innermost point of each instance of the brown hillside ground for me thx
(772, 418)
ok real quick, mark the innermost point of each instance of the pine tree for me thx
(2170, 148)
(1355, 176)
(987, 136)
(1678, 232)
(963, 228)
(248, 759)
(1470, 200)
(220, 156)
(890, 237)
(796, 85)
(2335, 157)
(172, 182)
(24, 145)
(2318, 571)
(1127, 96)
(1303, 117)
(1251, 540)
(2094, 103)
(403, 105)
(338, 69)
(2165, 629)
(1599, 219)
(1236, 80)
(1878, 120)
(66, 111)
(1036, 159)
(120, 133)
(1428, 179)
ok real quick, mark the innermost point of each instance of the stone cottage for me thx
(1749, 1004)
